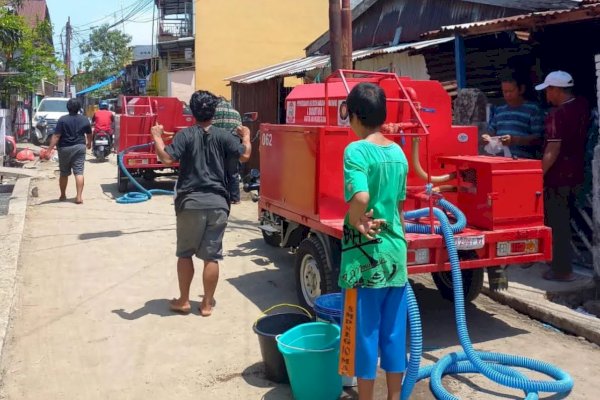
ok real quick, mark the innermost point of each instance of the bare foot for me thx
(207, 309)
(62, 198)
(179, 306)
(79, 201)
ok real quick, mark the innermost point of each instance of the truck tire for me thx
(123, 181)
(472, 281)
(272, 239)
(313, 276)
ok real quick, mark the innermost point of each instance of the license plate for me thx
(469, 242)
(101, 142)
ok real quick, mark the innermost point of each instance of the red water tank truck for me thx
(302, 206)
(135, 115)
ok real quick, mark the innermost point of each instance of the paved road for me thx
(91, 318)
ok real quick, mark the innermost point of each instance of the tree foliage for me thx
(27, 51)
(105, 54)
(12, 33)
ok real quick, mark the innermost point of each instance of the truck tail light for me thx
(517, 247)
(417, 257)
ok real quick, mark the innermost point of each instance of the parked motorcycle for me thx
(252, 184)
(41, 132)
(101, 145)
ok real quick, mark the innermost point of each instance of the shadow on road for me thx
(254, 375)
(265, 286)
(55, 201)
(439, 326)
(95, 160)
(113, 234)
(158, 307)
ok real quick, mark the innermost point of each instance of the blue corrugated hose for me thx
(495, 366)
(144, 194)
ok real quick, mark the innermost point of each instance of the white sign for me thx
(291, 113)
(343, 116)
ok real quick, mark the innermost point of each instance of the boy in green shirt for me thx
(373, 273)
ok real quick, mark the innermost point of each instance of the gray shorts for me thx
(71, 158)
(200, 233)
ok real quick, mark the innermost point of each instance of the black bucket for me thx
(267, 328)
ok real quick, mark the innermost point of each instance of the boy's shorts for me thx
(200, 233)
(71, 158)
(374, 322)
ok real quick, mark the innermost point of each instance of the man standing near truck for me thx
(563, 164)
(202, 200)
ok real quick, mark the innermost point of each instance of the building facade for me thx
(240, 35)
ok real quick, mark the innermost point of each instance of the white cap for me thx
(556, 79)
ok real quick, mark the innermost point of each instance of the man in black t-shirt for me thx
(202, 199)
(70, 136)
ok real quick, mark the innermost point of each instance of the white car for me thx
(45, 117)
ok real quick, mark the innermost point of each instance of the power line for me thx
(109, 15)
(140, 8)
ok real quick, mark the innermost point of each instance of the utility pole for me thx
(335, 34)
(69, 33)
(346, 44)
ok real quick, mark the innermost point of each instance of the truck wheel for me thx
(472, 281)
(272, 239)
(313, 277)
(122, 180)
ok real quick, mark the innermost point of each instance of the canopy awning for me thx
(100, 85)
(310, 63)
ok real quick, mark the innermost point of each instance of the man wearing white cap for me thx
(564, 150)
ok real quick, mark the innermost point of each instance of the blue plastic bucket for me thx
(328, 308)
(311, 353)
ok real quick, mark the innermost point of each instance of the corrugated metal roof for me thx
(529, 5)
(300, 65)
(587, 10)
(376, 21)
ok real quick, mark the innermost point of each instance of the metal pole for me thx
(460, 56)
(346, 35)
(68, 60)
(335, 34)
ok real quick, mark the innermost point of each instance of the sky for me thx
(88, 13)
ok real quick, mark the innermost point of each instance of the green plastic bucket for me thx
(311, 353)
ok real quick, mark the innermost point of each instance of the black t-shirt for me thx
(202, 155)
(72, 130)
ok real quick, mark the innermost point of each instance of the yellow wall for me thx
(238, 36)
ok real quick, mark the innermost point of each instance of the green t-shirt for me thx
(381, 171)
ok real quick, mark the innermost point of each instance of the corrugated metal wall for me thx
(379, 24)
(261, 97)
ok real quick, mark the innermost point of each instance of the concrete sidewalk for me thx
(530, 294)
(11, 235)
